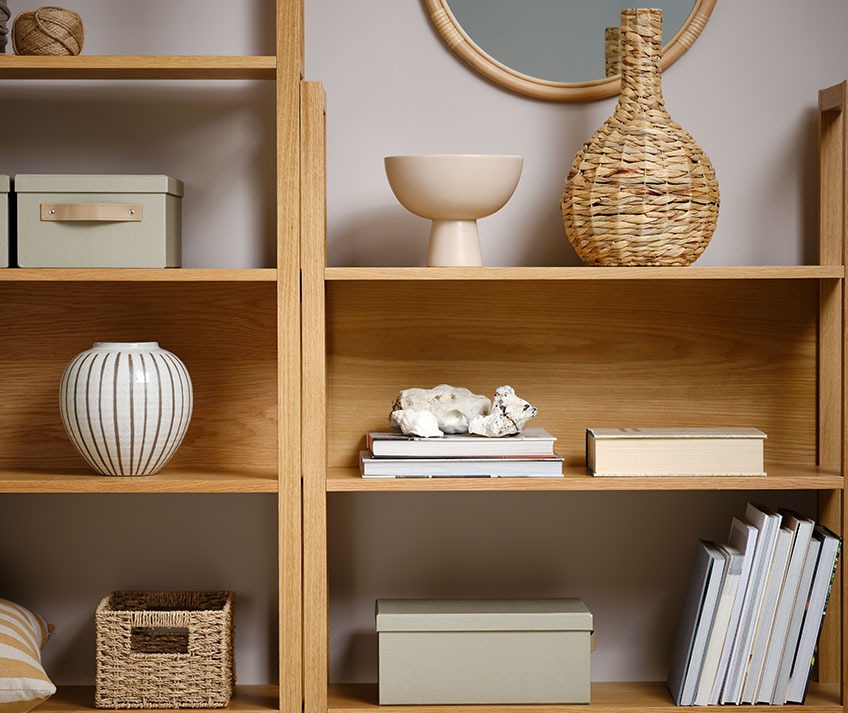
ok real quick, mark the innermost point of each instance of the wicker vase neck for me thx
(641, 52)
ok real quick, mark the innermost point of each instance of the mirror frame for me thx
(458, 40)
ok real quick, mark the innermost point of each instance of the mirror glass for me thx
(558, 50)
(554, 40)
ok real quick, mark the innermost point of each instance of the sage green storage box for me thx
(98, 221)
(488, 651)
(4, 221)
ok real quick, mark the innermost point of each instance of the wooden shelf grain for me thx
(247, 699)
(785, 272)
(120, 274)
(781, 477)
(630, 697)
(137, 67)
(169, 480)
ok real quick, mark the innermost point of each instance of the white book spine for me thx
(768, 524)
(718, 633)
(765, 621)
(811, 625)
(800, 606)
(803, 529)
(743, 536)
(705, 624)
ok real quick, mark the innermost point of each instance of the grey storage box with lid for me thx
(4, 221)
(483, 651)
(98, 220)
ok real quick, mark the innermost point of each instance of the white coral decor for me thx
(508, 415)
(453, 407)
(449, 409)
(416, 423)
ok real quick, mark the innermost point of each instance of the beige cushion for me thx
(23, 683)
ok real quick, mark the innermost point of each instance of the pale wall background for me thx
(746, 91)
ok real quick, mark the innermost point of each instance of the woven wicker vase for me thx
(641, 191)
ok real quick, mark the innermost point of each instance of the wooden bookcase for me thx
(701, 346)
(234, 328)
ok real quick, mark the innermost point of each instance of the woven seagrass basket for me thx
(165, 650)
(640, 191)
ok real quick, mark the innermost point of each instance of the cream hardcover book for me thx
(674, 451)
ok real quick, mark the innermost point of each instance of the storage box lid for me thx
(90, 183)
(483, 615)
(4, 183)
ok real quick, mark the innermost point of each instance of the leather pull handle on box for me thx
(104, 212)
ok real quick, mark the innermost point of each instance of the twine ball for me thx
(48, 31)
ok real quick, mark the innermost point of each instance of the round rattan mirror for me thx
(486, 35)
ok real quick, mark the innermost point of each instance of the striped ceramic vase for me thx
(126, 406)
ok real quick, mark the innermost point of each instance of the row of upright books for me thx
(394, 455)
(753, 611)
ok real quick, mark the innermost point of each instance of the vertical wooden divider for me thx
(314, 420)
(833, 124)
(289, 55)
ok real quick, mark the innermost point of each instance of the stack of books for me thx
(526, 454)
(753, 611)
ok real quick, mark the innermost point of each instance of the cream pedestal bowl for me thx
(453, 191)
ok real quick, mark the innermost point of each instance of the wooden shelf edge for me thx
(575, 478)
(121, 274)
(247, 699)
(788, 272)
(168, 481)
(618, 697)
(138, 67)
(832, 98)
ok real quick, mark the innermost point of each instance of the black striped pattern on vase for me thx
(126, 406)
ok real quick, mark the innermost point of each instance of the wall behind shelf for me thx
(746, 90)
(165, 27)
(60, 554)
(626, 554)
(216, 136)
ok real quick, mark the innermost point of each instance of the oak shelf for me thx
(575, 478)
(112, 274)
(169, 480)
(138, 67)
(606, 698)
(785, 272)
(247, 699)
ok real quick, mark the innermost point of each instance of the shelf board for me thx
(618, 697)
(138, 67)
(121, 274)
(814, 272)
(169, 480)
(247, 699)
(575, 478)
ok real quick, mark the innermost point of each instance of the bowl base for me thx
(454, 243)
